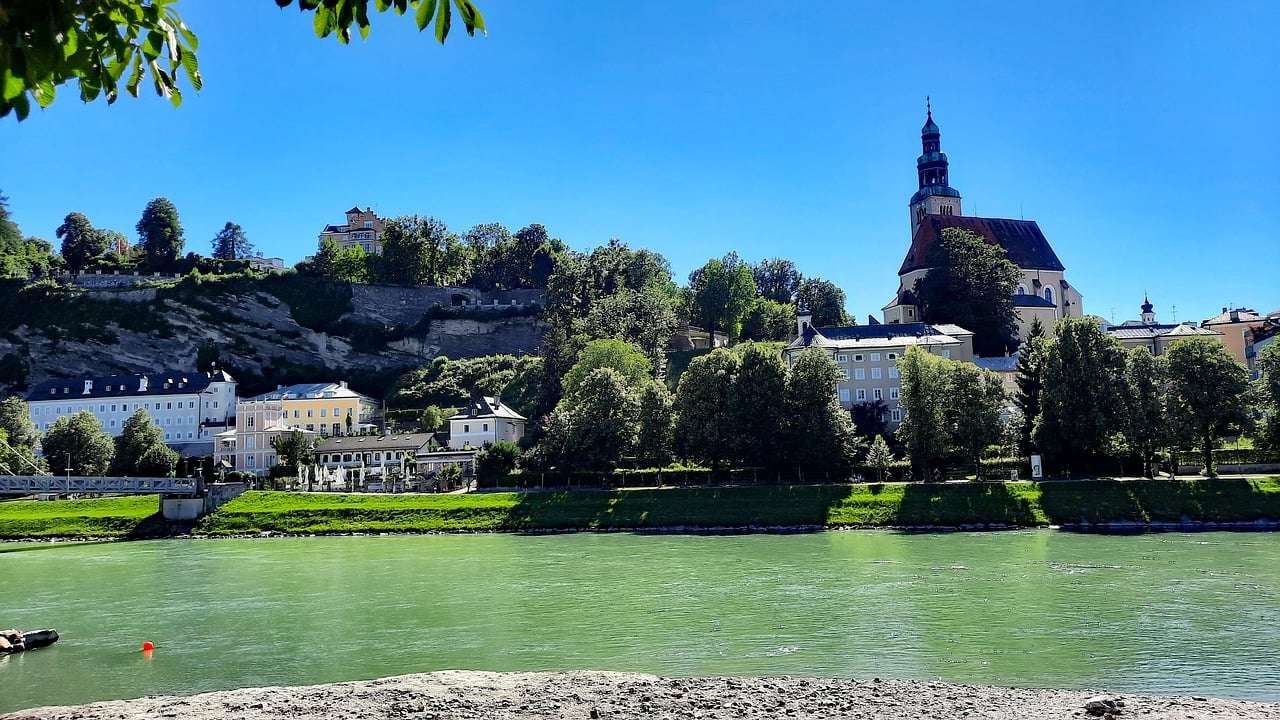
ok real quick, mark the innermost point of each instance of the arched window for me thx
(1022, 289)
(1048, 294)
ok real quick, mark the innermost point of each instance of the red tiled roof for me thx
(1022, 241)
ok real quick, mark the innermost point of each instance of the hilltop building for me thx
(486, 421)
(363, 228)
(1154, 336)
(1043, 292)
(189, 407)
(868, 355)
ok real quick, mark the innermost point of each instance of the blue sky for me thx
(1140, 135)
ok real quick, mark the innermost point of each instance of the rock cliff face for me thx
(253, 331)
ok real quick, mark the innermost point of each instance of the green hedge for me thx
(1232, 456)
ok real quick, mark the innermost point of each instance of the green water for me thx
(1157, 613)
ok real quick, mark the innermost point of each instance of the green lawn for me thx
(1023, 504)
(103, 517)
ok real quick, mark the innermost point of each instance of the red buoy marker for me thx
(148, 646)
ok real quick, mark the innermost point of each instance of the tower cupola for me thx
(1148, 311)
(935, 195)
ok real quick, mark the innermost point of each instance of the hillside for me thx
(265, 330)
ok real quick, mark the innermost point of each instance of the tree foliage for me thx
(645, 318)
(1030, 380)
(1143, 420)
(595, 427)
(631, 364)
(722, 291)
(452, 383)
(975, 400)
(819, 432)
(755, 409)
(1268, 365)
(22, 257)
(422, 251)
(971, 284)
(17, 452)
(705, 429)
(1080, 403)
(140, 450)
(503, 261)
(160, 233)
(656, 431)
(879, 457)
(293, 449)
(777, 280)
(231, 243)
(497, 460)
(769, 320)
(81, 241)
(1207, 391)
(924, 403)
(336, 17)
(78, 443)
(824, 300)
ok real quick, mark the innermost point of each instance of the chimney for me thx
(342, 384)
(88, 387)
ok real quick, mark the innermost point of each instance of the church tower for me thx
(935, 196)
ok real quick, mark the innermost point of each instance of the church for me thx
(1043, 292)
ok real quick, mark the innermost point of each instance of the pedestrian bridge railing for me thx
(29, 484)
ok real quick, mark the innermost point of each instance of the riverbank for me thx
(622, 696)
(1089, 505)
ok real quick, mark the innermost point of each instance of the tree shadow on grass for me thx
(798, 507)
(963, 504)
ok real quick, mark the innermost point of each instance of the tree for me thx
(327, 262)
(352, 265)
(975, 399)
(160, 233)
(819, 433)
(1030, 380)
(722, 290)
(497, 460)
(422, 251)
(597, 426)
(656, 426)
(294, 449)
(870, 418)
(970, 284)
(79, 444)
(755, 410)
(1144, 420)
(1268, 365)
(824, 300)
(21, 257)
(1080, 403)
(81, 242)
(924, 401)
(112, 36)
(231, 243)
(644, 318)
(705, 430)
(431, 419)
(769, 320)
(138, 439)
(777, 280)
(627, 360)
(879, 457)
(17, 452)
(1207, 390)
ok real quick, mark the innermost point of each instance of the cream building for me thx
(363, 228)
(1234, 326)
(485, 422)
(1043, 291)
(189, 407)
(1155, 337)
(868, 355)
(248, 447)
(324, 408)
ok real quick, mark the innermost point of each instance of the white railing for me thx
(28, 484)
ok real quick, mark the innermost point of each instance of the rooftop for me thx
(164, 382)
(488, 407)
(360, 443)
(305, 391)
(885, 335)
(1022, 241)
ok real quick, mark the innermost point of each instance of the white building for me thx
(248, 447)
(485, 422)
(868, 355)
(189, 407)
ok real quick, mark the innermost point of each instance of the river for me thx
(1168, 613)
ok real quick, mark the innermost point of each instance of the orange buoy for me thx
(148, 646)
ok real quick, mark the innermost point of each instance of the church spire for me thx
(935, 196)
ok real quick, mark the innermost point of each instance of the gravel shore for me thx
(595, 695)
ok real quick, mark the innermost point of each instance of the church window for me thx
(1022, 290)
(1048, 294)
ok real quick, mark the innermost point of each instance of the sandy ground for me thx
(588, 695)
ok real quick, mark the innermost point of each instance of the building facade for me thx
(372, 451)
(486, 421)
(1043, 291)
(1155, 337)
(324, 408)
(1235, 326)
(249, 446)
(189, 407)
(868, 355)
(362, 228)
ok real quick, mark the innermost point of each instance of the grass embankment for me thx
(102, 517)
(893, 504)
(869, 505)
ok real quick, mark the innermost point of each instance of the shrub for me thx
(497, 460)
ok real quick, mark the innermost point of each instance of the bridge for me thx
(32, 484)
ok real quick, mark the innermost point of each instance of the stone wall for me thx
(397, 305)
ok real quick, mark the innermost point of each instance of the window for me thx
(875, 373)
(842, 358)
(102, 408)
(335, 429)
(250, 421)
(844, 374)
(377, 457)
(466, 428)
(1048, 294)
(337, 412)
(324, 412)
(113, 405)
(108, 388)
(877, 394)
(857, 358)
(188, 436)
(157, 406)
(892, 356)
(168, 406)
(485, 428)
(895, 415)
(113, 423)
(311, 426)
(859, 374)
(191, 404)
(946, 353)
(862, 394)
(295, 413)
(875, 357)
(1022, 290)
(844, 395)
(309, 412)
(893, 393)
(124, 407)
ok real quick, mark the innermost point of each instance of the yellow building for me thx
(325, 408)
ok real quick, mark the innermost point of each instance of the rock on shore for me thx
(606, 695)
